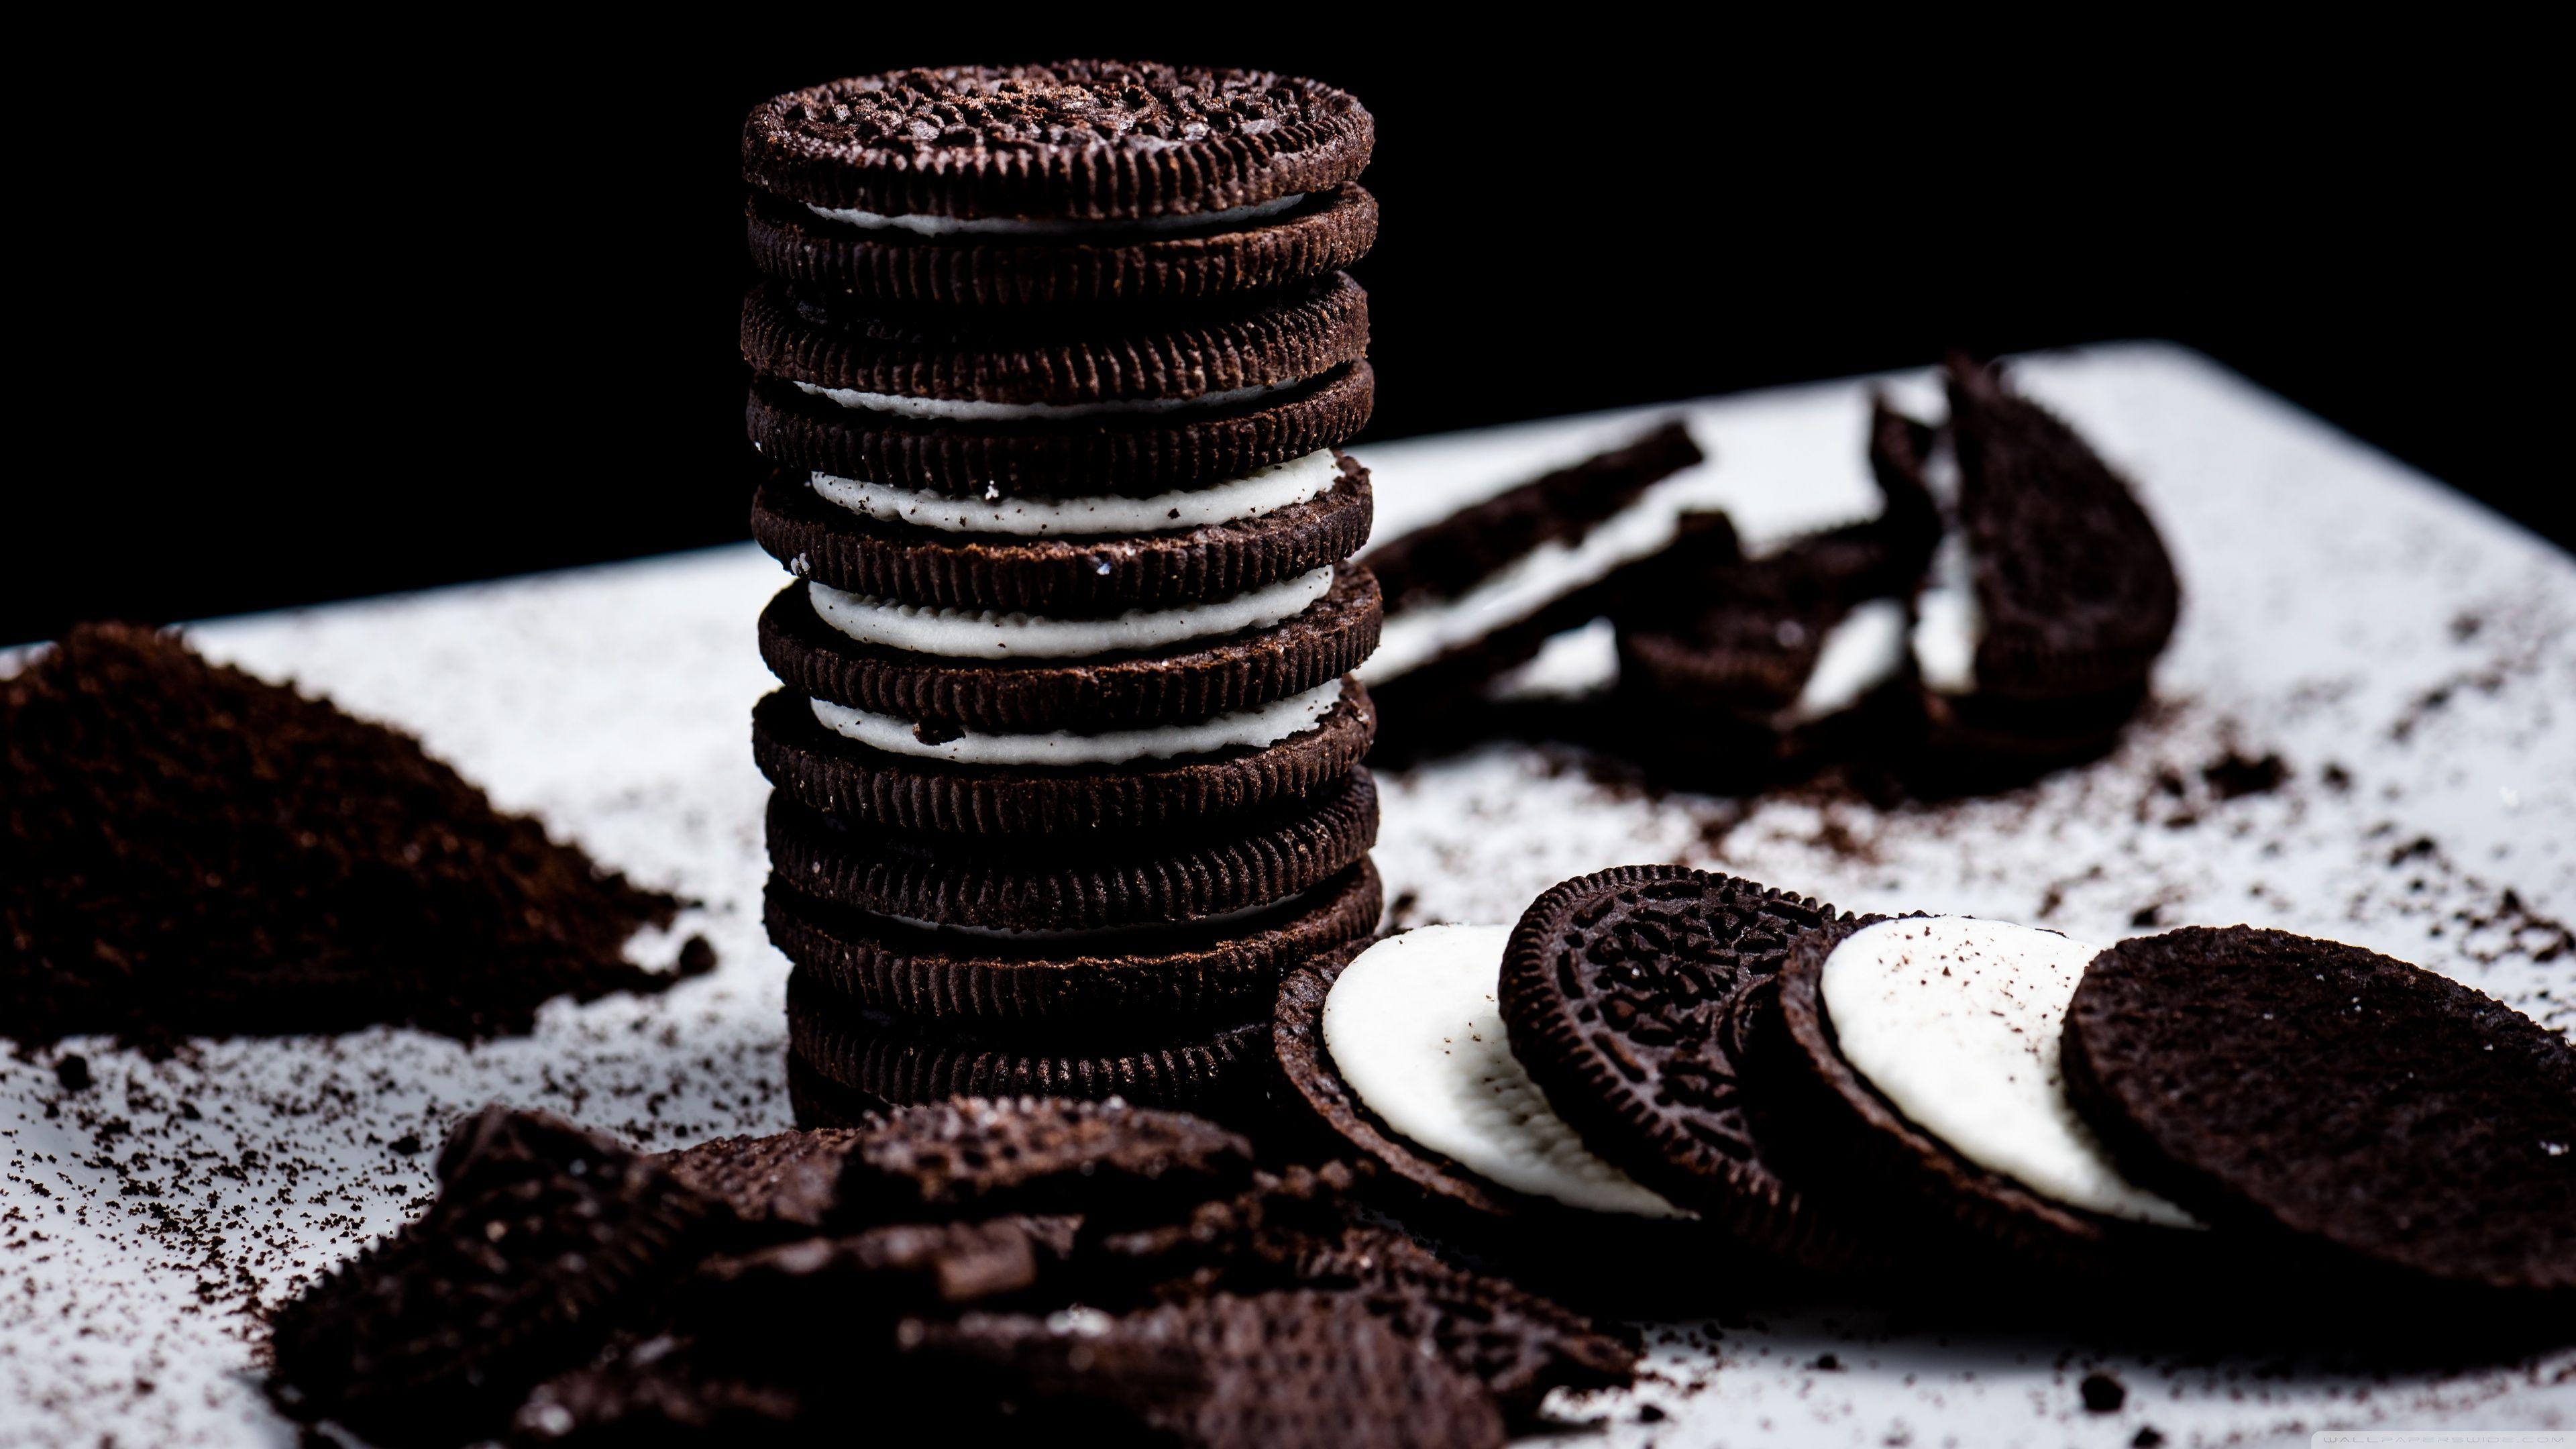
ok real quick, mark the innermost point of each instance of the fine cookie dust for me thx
(1282, 485)
(964, 410)
(982, 634)
(1251, 728)
(1414, 1030)
(1956, 1021)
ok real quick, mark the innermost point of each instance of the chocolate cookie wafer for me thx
(2396, 1129)
(1077, 182)
(1634, 998)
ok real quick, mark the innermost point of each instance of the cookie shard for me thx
(1632, 997)
(1034, 1155)
(2371, 1115)
(1953, 1214)
(543, 1235)
(1284, 1369)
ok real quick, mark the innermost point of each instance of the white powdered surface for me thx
(2410, 658)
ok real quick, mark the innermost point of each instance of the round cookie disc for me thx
(829, 772)
(1145, 977)
(1077, 140)
(1630, 996)
(1077, 885)
(2328, 1092)
(1074, 575)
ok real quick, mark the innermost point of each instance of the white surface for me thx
(2331, 595)
(1266, 490)
(984, 634)
(1416, 1033)
(1955, 1020)
(1267, 725)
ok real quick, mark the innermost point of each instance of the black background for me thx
(463, 305)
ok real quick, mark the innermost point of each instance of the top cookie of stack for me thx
(1051, 364)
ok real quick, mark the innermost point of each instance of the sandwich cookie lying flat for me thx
(871, 1060)
(1925, 1058)
(1057, 411)
(1396, 1053)
(962, 673)
(2396, 1125)
(1068, 557)
(1073, 182)
(1163, 974)
(1082, 884)
(1631, 997)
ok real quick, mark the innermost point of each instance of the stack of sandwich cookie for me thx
(1052, 364)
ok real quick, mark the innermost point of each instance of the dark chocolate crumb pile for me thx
(187, 850)
(563, 1289)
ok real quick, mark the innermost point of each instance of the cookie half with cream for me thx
(1074, 183)
(1922, 1067)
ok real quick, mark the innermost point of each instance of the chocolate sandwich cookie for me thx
(1087, 884)
(1078, 558)
(1156, 975)
(1276, 1370)
(1067, 183)
(866, 1060)
(543, 1234)
(1921, 1065)
(1633, 997)
(2393, 1126)
(956, 673)
(1744, 670)
(1054, 409)
(2048, 601)
(825, 770)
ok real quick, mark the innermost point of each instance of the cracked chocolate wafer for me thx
(1632, 997)
(542, 1236)
(2344, 1106)
(1275, 1370)
(1158, 975)
(1104, 556)
(1079, 885)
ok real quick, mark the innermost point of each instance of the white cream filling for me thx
(1862, 651)
(1948, 625)
(983, 634)
(1251, 728)
(1282, 485)
(1956, 1021)
(924, 224)
(963, 409)
(1284, 906)
(1415, 1031)
(1571, 665)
